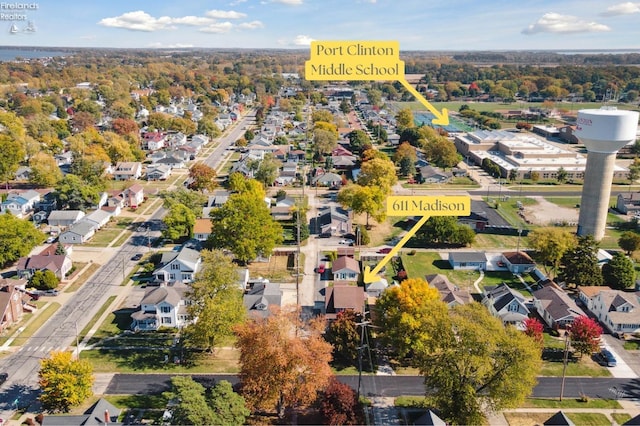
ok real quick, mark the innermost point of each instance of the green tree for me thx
(44, 280)
(404, 118)
(228, 406)
(245, 226)
(345, 106)
(75, 193)
(619, 272)
(550, 244)
(441, 152)
(513, 175)
(249, 135)
(324, 141)
(364, 199)
(358, 139)
(267, 172)
(178, 222)
(64, 382)
(472, 364)
(322, 115)
(11, 153)
(191, 404)
(17, 238)
(291, 366)
(629, 241)
(192, 199)
(216, 301)
(445, 230)
(580, 263)
(562, 175)
(634, 169)
(409, 316)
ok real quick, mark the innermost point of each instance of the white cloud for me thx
(225, 14)
(556, 23)
(290, 2)
(138, 21)
(302, 40)
(217, 28)
(159, 45)
(251, 25)
(627, 8)
(192, 20)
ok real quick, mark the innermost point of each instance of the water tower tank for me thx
(603, 131)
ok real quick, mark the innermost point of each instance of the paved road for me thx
(392, 386)
(60, 331)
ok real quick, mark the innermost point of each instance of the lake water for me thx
(12, 54)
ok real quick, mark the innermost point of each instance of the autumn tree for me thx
(534, 329)
(291, 366)
(11, 146)
(471, 362)
(44, 170)
(585, 335)
(192, 199)
(344, 337)
(216, 301)
(267, 171)
(580, 263)
(364, 199)
(550, 244)
(439, 230)
(244, 226)
(378, 173)
(441, 152)
(404, 118)
(17, 238)
(124, 126)
(324, 141)
(405, 157)
(619, 272)
(408, 314)
(339, 404)
(178, 222)
(202, 177)
(629, 241)
(64, 382)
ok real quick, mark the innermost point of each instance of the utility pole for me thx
(564, 362)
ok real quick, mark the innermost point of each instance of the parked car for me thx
(321, 268)
(385, 250)
(607, 358)
(346, 241)
(51, 239)
(53, 292)
(3, 377)
(324, 235)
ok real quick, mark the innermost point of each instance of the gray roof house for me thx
(163, 306)
(100, 413)
(178, 266)
(98, 218)
(556, 307)
(64, 218)
(468, 260)
(449, 293)
(506, 303)
(261, 297)
(78, 233)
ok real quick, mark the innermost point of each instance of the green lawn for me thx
(35, 325)
(497, 106)
(570, 403)
(96, 317)
(425, 263)
(582, 368)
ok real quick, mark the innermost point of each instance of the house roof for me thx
(501, 295)
(261, 297)
(187, 256)
(341, 297)
(94, 416)
(168, 294)
(557, 303)
(429, 419)
(202, 226)
(449, 293)
(345, 262)
(39, 262)
(518, 258)
(65, 215)
(80, 228)
(558, 419)
(467, 257)
(592, 290)
(98, 216)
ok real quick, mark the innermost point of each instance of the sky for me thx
(462, 25)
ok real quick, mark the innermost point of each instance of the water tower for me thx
(603, 131)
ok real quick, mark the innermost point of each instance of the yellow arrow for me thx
(442, 118)
(371, 276)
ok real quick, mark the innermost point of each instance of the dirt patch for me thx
(546, 213)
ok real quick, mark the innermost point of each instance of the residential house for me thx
(64, 158)
(20, 204)
(12, 304)
(556, 307)
(261, 298)
(288, 173)
(97, 218)
(327, 179)
(162, 306)
(559, 419)
(47, 202)
(202, 229)
(154, 141)
(78, 233)
(343, 162)
(64, 218)
(158, 172)
(216, 200)
(518, 262)
(628, 203)
(449, 293)
(178, 266)
(127, 170)
(619, 311)
(430, 174)
(506, 303)
(473, 260)
(59, 264)
(334, 220)
(341, 298)
(345, 268)
(476, 221)
(376, 288)
(177, 139)
(172, 161)
(23, 174)
(201, 140)
(133, 196)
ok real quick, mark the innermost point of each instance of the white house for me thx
(619, 311)
(202, 229)
(127, 170)
(345, 268)
(133, 196)
(97, 218)
(78, 233)
(64, 218)
(178, 266)
(163, 306)
(21, 203)
(506, 303)
(158, 172)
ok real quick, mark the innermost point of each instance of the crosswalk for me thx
(45, 349)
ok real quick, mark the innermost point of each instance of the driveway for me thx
(628, 362)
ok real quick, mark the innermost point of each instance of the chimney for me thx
(106, 417)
